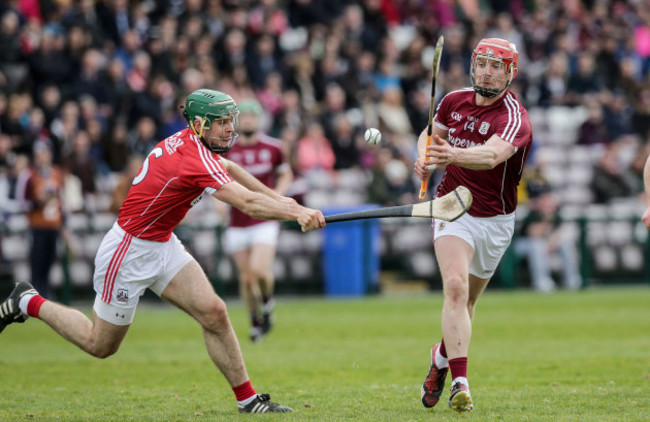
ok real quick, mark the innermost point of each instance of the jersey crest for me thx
(173, 142)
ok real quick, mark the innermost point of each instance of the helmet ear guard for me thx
(494, 49)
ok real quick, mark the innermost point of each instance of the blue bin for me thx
(351, 254)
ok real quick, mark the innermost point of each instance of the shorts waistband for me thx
(135, 240)
(501, 218)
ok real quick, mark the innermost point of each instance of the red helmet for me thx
(495, 49)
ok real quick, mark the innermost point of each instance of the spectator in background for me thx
(65, 126)
(585, 80)
(46, 215)
(541, 237)
(12, 63)
(238, 82)
(345, 139)
(91, 80)
(390, 182)
(49, 100)
(50, 64)
(118, 91)
(608, 181)
(392, 113)
(593, 131)
(262, 60)
(633, 174)
(14, 174)
(231, 51)
(116, 146)
(142, 139)
(80, 163)
(334, 105)
(552, 86)
(617, 114)
(290, 116)
(641, 113)
(314, 151)
(270, 95)
(124, 182)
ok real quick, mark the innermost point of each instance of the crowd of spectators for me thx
(101, 81)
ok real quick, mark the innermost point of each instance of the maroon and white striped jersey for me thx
(173, 178)
(264, 160)
(495, 190)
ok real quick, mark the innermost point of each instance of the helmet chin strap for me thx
(200, 132)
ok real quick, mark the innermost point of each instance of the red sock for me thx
(458, 367)
(443, 349)
(244, 391)
(34, 305)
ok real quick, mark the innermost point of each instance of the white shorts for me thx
(240, 238)
(125, 266)
(489, 237)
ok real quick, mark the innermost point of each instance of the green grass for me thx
(562, 357)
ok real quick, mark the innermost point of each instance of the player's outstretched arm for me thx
(247, 180)
(483, 157)
(265, 207)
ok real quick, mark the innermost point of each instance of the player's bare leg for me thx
(454, 257)
(261, 265)
(98, 338)
(191, 291)
(250, 291)
(476, 288)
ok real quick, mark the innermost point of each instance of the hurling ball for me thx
(372, 136)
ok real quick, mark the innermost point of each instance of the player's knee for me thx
(216, 315)
(456, 289)
(101, 351)
(247, 279)
(258, 274)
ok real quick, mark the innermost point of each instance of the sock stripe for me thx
(34, 305)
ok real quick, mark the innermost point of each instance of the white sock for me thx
(461, 380)
(243, 403)
(441, 361)
(24, 301)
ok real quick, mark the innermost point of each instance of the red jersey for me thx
(262, 160)
(495, 190)
(172, 179)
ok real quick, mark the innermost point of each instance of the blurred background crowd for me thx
(87, 87)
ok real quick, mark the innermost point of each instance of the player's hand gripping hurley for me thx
(434, 74)
(448, 207)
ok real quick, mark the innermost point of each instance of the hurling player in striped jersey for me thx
(482, 135)
(141, 251)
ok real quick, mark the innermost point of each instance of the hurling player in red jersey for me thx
(482, 135)
(252, 241)
(141, 251)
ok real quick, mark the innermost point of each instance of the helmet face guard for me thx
(492, 58)
(212, 107)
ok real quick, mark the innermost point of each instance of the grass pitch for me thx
(564, 357)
